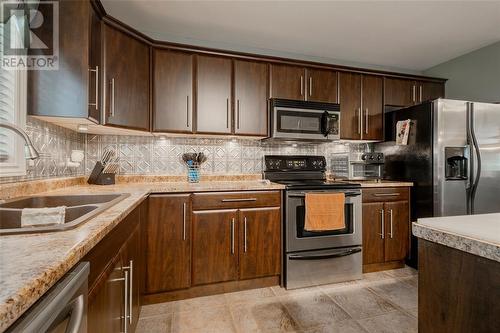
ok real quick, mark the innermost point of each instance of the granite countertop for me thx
(381, 183)
(32, 263)
(475, 234)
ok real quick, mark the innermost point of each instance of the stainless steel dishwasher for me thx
(63, 308)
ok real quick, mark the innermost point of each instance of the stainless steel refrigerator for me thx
(452, 156)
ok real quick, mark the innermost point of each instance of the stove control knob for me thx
(363, 157)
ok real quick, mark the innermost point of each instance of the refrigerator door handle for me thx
(478, 158)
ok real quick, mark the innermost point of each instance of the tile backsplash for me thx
(54, 143)
(155, 155)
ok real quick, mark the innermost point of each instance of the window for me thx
(12, 108)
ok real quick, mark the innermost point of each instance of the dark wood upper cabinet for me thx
(168, 243)
(397, 226)
(213, 88)
(373, 108)
(431, 90)
(399, 92)
(126, 77)
(172, 91)
(250, 91)
(288, 82)
(321, 85)
(95, 68)
(259, 242)
(65, 92)
(350, 106)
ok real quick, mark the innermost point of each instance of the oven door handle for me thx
(324, 256)
(347, 194)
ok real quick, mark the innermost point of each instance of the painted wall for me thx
(474, 76)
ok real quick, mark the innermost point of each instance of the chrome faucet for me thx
(32, 152)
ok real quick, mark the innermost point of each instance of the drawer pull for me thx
(387, 194)
(239, 200)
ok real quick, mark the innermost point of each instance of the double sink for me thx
(79, 209)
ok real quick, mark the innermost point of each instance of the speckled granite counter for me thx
(31, 264)
(475, 234)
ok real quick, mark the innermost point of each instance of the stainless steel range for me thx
(313, 258)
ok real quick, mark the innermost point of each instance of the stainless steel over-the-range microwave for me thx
(304, 121)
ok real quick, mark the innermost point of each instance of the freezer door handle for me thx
(335, 254)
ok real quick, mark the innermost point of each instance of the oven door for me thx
(294, 123)
(299, 239)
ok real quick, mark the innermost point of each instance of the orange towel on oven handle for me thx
(324, 211)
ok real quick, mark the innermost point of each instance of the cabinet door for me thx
(173, 91)
(215, 246)
(213, 102)
(259, 242)
(397, 226)
(373, 242)
(131, 257)
(399, 92)
(321, 85)
(288, 82)
(373, 108)
(168, 258)
(250, 91)
(430, 90)
(350, 105)
(127, 80)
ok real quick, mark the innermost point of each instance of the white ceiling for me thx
(406, 35)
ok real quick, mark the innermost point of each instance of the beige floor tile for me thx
(349, 285)
(200, 302)
(413, 312)
(361, 303)
(375, 276)
(397, 292)
(402, 272)
(279, 291)
(157, 309)
(215, 319)
(263, 317)
(393, 322)
(412, 280)
(346, 326)
(313, 309)
(158, 324)
(249, 295)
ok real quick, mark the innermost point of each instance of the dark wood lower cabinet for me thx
(215, 250)
(168, 243)
(386, 228)
(457, 291)
(259, 242)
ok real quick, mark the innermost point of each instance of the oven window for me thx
(302, 233)
(299, 122)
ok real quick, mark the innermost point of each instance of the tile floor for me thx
(380, 302)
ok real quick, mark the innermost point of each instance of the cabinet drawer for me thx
(385, 194)
(222, 200)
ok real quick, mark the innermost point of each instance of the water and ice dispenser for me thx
(456, 163)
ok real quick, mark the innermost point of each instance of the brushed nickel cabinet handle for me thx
(112, 106)
(301, 85)
(227, 112)
(386, 194)
(390, 214)
(366, 121)
(382, 221)
(245, 234)
(125, 302)
(420, 93)
(187, 111)
(360, 119)
(414, 93)
(238, 113)
(232, 235)
(239, 200)
(184, 221)
(96, 103)
(130, 280)
(310, 86)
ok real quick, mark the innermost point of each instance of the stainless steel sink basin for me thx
(79, 209)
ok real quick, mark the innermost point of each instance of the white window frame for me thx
(16, 164)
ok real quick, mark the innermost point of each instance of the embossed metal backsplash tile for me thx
(152, 155)
(54, 144)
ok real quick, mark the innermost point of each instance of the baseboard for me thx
(383, 266)
(211, 289)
